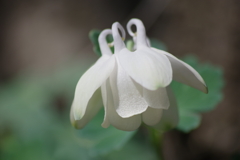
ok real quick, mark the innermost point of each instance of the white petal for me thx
(90, 82)
(125, 124)
(152, 116)
(170, 117)
(156, 99)
(94, 105)
(146, 67)
(184, 73)
(105, 123)
(127, 99)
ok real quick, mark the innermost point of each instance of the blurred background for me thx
(43, 43)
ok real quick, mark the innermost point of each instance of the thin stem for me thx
(130, 45)
(157, 141)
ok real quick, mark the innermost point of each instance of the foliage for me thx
(33, 124)
(193, 102)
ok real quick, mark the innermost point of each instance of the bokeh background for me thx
(42, 37)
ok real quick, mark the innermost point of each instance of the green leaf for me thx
(192, 102)
(101, 140)
(93, 35)
(157, 44)
(188, 120)
(15, 149)
(29, 116)
(136, 149)
(23, 107)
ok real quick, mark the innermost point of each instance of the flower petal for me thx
(170, 117)
(157, 99)
(146, 67)
(152, 116)
(127, 99)
(94, 105)
(105, 123)
(184, 73)
(125, 124)
(90, 82)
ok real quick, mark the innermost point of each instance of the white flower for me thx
(132, 83)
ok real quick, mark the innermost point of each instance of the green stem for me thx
(130, 45)
(157, 141)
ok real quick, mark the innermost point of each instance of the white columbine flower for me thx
(132, 83)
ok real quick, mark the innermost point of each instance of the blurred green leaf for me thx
(158, 44)
(188, 120)
(100, 140)
(16, 149)
(192, 102)
(136, 149)
(93, 35)
(24, 107)
(30, 122)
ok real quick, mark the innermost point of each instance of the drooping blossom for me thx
(133, 84)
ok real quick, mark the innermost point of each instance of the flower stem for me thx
(130, 45)
(157, 141)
